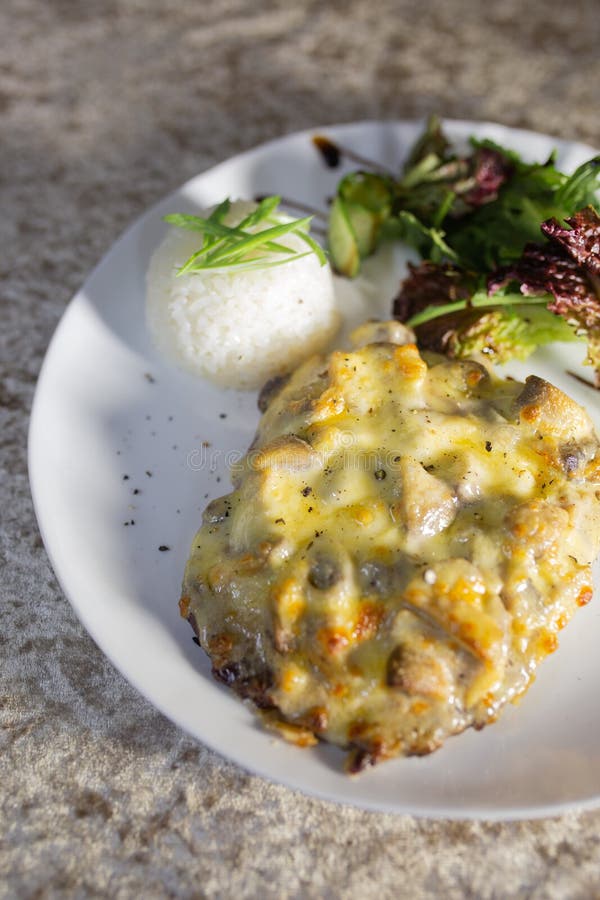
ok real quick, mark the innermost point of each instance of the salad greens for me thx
(501, 274)
(240, 247)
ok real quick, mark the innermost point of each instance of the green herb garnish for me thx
(510, 249)
(477, 210)
(255, 243)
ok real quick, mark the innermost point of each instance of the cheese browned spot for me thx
(405, 540)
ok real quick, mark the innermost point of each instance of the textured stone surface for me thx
(105, 105)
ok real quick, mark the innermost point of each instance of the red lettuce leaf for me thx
(430, 284)
(491, 169)
(547, 269)
(568, 268)
(581, 240)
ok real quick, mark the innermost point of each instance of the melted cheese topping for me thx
(405, 541)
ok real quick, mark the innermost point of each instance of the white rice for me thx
(238, 328)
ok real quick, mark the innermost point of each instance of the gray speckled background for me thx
(105, 105)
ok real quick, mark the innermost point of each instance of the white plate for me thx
(101, 429)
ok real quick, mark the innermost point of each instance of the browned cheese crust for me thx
(405, 541)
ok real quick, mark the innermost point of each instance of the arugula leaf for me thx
(496, 234)
(427, 240)
(580, 188)
(433, 142)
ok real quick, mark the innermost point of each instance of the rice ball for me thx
(238, 328)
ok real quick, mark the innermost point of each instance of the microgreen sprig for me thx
(239, 247)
